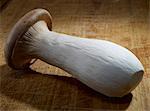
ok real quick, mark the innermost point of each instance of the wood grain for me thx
(125, 22)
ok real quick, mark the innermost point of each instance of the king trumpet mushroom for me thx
(102, 65)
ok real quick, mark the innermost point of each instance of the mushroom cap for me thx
(17, 32)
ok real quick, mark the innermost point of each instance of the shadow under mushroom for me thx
(55, 92)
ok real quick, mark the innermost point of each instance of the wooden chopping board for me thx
(122, 21)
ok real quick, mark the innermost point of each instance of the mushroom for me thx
(102, 65)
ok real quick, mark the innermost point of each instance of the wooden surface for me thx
(125, 22)
(3, 2)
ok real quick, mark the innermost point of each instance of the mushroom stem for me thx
(102, 65)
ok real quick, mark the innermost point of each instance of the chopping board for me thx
(47, 88)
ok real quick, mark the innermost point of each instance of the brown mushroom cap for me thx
(19, 29)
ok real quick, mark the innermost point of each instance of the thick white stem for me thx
(104, 66)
